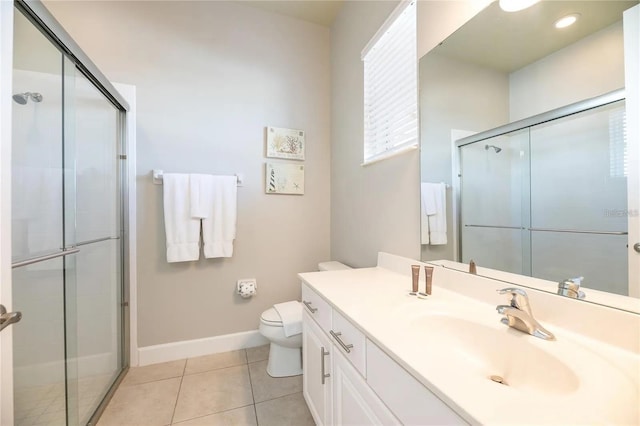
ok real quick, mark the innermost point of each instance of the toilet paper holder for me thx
(247, 287)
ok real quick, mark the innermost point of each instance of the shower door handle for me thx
(8, 318)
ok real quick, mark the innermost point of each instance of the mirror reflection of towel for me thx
(433, 197)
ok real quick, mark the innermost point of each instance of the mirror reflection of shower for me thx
(497, 149)
(22, 98)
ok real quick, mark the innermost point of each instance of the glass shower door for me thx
(94, 278)
(579, 198)
(494, 209)
(67, 236)
(38, 228)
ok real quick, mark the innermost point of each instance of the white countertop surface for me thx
(600, 388)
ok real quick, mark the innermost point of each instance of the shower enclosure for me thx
(67, 227)
(547, 196)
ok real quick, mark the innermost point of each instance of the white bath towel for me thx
(201, 193)
(427, 207)
(291, 315)
(182, 231)
(219, 224)
(434, 206)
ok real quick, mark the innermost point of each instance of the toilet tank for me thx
(332, 266)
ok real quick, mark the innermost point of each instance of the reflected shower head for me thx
(497, 149)
(22, 98)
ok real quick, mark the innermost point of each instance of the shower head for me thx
(22, 98)
(497, 149)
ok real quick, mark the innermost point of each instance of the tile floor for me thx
(231, 388)
(45, 405)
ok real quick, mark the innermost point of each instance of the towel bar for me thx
(157, 177)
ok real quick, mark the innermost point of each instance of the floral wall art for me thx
(285, 143)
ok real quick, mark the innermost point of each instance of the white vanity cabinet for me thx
(336, 391)
(348, 380)
(407, 398)
(354, 403)
(316, 364)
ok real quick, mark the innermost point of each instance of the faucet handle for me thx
(513, 291)
(570, 287)
(519, 298)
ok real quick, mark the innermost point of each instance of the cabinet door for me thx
(413, 403)
(316, 365)
(354, 403)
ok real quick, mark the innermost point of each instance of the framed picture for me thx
(284, 179)
(285, 143)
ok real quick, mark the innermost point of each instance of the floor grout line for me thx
(253, 397)
(278, 397)
(173, 415)
(252, 379)
(211, 414)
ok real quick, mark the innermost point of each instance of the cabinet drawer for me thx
(317, 307)
(415, 404)
(349, 341)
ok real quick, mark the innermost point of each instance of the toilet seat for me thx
(271, 317)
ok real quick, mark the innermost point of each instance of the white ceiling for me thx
(322, 12)
(508, 41)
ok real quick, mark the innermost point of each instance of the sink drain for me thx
(498, 379)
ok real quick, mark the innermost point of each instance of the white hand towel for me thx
(219, 226)
(291, 315)
(427, 207)
(182, 231)
(438, 220)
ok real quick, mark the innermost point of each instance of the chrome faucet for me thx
(517, 314)
(571, 288)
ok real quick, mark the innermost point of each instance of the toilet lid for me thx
(271, 316)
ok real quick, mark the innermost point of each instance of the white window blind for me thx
(618, 155)
(391, 87)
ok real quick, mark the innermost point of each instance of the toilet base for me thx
(284, 362)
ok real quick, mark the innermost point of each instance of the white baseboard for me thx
(191, 348)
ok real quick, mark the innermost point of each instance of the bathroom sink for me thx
(500, 355)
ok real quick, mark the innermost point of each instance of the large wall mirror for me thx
(524, 153)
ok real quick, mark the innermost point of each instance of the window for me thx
(618, 155)
(391, 87)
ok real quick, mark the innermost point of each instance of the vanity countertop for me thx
(438, 341)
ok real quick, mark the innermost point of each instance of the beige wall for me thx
(454, 95)
(437, 19)
(590, 67)
(376, 208)
(373, 208)
(210, 76)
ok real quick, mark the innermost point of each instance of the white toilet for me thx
(285, 355)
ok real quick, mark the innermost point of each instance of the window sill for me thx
(390, 154)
